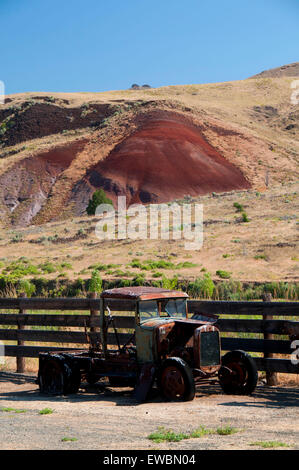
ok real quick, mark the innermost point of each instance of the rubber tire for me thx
(69, 377)
(187, 375)
(249, 365)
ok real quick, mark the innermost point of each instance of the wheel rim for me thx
(240, 375)
(173, 383)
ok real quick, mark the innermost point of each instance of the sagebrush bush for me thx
(223, 274)
(239, 207)
(245, 217)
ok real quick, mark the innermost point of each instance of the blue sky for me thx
(95, 45)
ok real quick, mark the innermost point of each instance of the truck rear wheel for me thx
(57, 377)
(176, 381)
(243, 377)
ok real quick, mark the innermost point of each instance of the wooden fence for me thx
(15, 327)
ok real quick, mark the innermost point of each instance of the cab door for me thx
(147, 317)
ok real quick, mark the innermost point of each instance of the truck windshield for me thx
(176, 308)
(168, 308)
(148, 309)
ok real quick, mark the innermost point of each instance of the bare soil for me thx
(108, 418)
(165, 159)
(247, 132)
(288, 70)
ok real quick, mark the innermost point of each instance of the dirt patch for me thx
(108, 418)
(26, 186)
(165, 159)
(34, 119)
(288, 70)
(286, 120)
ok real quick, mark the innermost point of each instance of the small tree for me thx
(98, 197)
(95, 282)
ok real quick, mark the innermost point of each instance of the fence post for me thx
(271, 377)
(21, 360)
(93, 314)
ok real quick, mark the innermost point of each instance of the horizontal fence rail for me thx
(222, 307)
(16, 326)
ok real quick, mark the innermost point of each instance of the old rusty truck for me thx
(166, 348)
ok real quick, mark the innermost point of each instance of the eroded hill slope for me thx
(152, 145)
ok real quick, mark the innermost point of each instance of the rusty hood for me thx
(154, 322)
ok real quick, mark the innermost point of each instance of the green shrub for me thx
(149, 264)
(17, 238)
(245, 217)
(125, 283)
(48, 267)
(157, 274)
(168, 283)
(201, 432)
(14, 410)
(136, 263)
(27, 287)
(46, 411)
(269, 444)
(162, 264)
(239, 207)
(223, 274)
(139, 280)
(186, 264)
(167, 435)
(226, 431)
(95, 283)
(282, 290)
(98, 197)
(18, 269)
(263, 256)
(65, 265)
(202, 287)
(228, 290)
(120, 273)
(99, 267)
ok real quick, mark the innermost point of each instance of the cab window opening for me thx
(162, 308)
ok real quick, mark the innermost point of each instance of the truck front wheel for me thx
(238, 374)
(175, 380)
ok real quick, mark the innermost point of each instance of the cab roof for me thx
(142, 293)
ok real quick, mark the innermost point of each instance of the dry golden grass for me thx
(264, 249)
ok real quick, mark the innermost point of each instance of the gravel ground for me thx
(105, 418)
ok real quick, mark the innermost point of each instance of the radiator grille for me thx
(209, 348)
